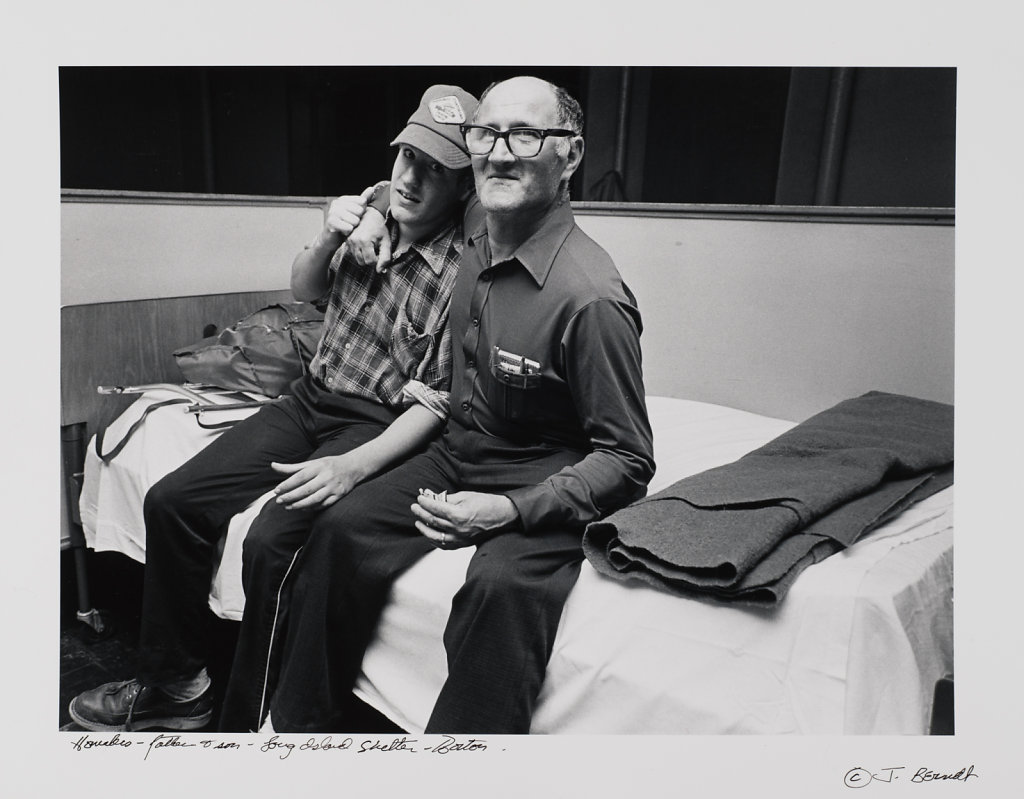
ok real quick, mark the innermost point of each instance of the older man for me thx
(548, 431)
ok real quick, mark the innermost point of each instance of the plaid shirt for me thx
(386, 335)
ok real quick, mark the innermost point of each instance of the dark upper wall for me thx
(900, 139)
(286, 131)
(773, 136)
(729, 135)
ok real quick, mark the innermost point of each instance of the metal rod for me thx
(177, 388)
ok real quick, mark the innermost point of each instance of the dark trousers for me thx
(503, 620)
(187, 512)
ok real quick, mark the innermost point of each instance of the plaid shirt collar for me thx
(436, 251)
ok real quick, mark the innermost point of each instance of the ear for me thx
(573, 157)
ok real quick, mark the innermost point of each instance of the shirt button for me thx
(465, 406)
(470, 363)
(476, 322)
(348, 345)
(486, 278)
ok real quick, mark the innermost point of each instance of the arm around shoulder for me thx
(310, 276)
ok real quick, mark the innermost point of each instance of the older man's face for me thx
(506, 184)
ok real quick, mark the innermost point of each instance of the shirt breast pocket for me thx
(513, 388)
(419, 323)
(409, 346)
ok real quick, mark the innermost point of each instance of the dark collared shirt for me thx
(386, 335)
(560, 304)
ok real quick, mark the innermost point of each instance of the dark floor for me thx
(88, 659)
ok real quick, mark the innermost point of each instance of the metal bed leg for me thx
(86, 613)
(73, 443)
(942, 722)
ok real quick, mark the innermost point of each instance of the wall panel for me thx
(131, 248)
(765, 311)
(787, 318)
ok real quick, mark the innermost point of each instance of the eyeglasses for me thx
(521, 142)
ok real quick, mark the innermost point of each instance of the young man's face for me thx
(424, 193)
(506, 184)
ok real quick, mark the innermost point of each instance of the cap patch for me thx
(447, 110)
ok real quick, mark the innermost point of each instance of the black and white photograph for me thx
(578, 419)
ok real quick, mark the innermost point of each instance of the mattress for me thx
(856, 646)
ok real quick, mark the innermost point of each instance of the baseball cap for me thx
(434, 127)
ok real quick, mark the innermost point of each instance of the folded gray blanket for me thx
(745, 530)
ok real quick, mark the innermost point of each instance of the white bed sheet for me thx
(855, 647)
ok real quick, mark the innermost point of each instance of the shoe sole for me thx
(172, 723)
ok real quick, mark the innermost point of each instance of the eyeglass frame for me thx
(504, 134)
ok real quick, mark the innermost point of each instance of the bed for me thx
(856, 647)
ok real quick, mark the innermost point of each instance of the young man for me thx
(548, 431)
(377, 392)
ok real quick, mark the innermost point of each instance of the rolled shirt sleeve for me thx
(437, 402)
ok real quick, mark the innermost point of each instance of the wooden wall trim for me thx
(188, 198)
(781, 213)
(833, 214)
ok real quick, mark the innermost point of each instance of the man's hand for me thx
(369, 244)
(345, 212)
(316, 484)
(464, 518)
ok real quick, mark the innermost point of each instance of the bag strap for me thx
(198, 408)
(232, 406)
(109, 456)
(293, 337)
(218, 425)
